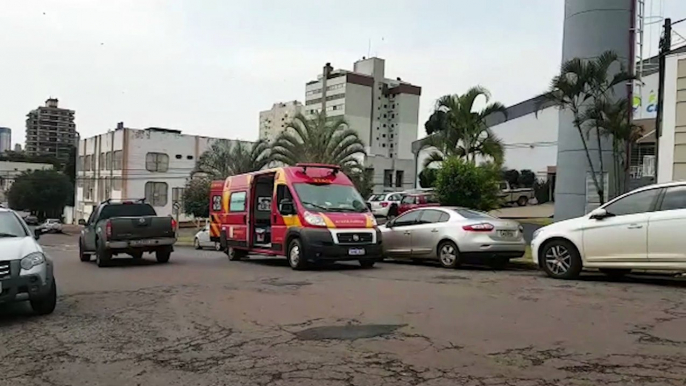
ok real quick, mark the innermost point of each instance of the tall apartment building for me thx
(50, 130)
(5, 139)
(273, 122)
(152, 163)
(385, 113)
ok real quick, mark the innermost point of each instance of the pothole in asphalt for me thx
(450, 277)
(278, 283)
(349, 332)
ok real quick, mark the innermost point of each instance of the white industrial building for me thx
(152, 163)
(273, 121)
(385, 113)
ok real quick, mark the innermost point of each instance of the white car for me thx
(202, 240)
(51, 226)
(26, 272)
(385, 204)
(642, 229)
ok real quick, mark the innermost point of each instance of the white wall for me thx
(406, 124)
(665, 167)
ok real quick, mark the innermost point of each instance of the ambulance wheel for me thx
(296, 258)
(235, 254)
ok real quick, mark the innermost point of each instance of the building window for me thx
(157, 162)
(177, 195)
(101, 161)
(156, 193)
(399, 178)
(87, 166)
(108, 160)
(79, 163)
(179, 156)
(189, 157)
(383, 135)
(237, 202)
(116, 183)
(383, 145)
(117, 162)
(388, 178)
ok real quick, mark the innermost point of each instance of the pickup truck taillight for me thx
(174, 224)
(108, 229)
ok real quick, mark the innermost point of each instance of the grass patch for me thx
(543, 221)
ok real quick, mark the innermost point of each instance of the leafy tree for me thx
(320, 140)
(69, 170)
(427, 177)
(436, 122)
(42, 192)
(512, 177)
(526, 178)
(224, 159)
(364, 182)
(465, 132)
(461, 183)
(579, 86)
(196, 197)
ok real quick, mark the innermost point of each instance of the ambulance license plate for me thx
(356, 251)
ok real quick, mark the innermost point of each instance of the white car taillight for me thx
(483, 227)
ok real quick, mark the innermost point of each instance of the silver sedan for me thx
(453, 235)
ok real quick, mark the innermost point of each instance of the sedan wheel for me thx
(448, 254)
(196, 243)
(561, 260)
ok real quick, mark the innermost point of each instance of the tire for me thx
(83, 256)
(448, 254)
(296, 258)
(163, 255)
(235, 254)
(137, 255)
(196, 243)
(47, 304)
(367, 263)
(499, 263)
(561, 260)
(102, 256)
(522, 201)
(615, 273)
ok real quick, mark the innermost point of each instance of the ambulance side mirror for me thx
(286, 207)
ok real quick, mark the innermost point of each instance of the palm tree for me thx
(464, 133)
(320, 140)
(576, 89)
(612, 119)
(224, 159)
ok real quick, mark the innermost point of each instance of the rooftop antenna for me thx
(369, 48)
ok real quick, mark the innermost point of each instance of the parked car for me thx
(130, 227)
(642, 229)
(510, 195)
(26, 272)
(202, 240)
(31, 220)
(385, 204)
(417, 200)
(453, 235)
(51, 226)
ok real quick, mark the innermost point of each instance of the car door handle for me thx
(434, 230)
(408, 233)
(635, 226)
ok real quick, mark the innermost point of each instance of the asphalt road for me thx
(203, 320)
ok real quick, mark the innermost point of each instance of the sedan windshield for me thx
(330, 198)
(10, 226)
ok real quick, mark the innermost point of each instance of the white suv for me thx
(385, 204)
(642, 229)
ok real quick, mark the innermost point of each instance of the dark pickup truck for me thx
(130, 227)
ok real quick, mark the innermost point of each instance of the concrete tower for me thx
(590, 28)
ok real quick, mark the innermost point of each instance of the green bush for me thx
(542, 191)
(461, 183)
(427, 178)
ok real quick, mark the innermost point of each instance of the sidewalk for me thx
(532, 211)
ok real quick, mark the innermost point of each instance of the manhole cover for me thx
(351, 332)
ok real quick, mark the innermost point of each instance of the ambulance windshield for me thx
(330, 198)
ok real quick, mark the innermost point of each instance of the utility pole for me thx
(665, 47)
(325, 76)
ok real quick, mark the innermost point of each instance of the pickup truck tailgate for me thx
(137, 228)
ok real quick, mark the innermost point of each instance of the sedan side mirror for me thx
(599, 214)
(82, 222)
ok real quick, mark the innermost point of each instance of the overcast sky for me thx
(209, 66)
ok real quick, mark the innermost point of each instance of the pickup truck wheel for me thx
(103, 256)
(85, 257)
(46, 305)
(522, 201)
(163, 255)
